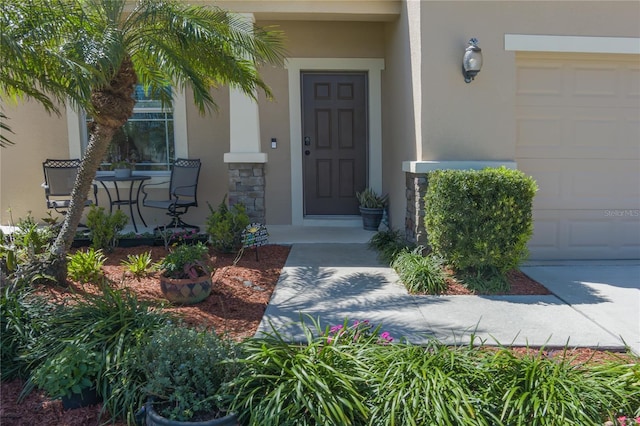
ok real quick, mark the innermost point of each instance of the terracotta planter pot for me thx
(186, 291)
(155, 419)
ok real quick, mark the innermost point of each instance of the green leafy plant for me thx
(431, 385)
(225, 226)
(388, 244)
(185, 370)
(535, 388)
(86, 266)
(486, 281)
(112, 323)
(368, 198)
(420, 273)
(123, 164)
(480, 220)
(313, 383)
(68, 372)
(140, 265)
(186, 261)
(105, 227)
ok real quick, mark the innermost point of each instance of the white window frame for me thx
(77, 129)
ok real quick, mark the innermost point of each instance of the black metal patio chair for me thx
(59, 178)
(183, 192)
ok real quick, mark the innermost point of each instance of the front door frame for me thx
(373, 67)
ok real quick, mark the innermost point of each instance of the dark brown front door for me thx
(334, 142)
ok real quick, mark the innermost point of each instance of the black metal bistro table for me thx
(119, 201)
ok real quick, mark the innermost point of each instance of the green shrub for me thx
(225, 226)
(480, 219)
(112, 324)
(314, 383)
(185, 370)
(105, 227)
(24, 319)
(484, 281)
(86, 266)
(420, 273)
(388, 244)
(432, 385)
(536, 389)
(69, 372)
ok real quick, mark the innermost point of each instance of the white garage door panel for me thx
(579, 234)
(584, 184)
(578, 135)
(561, 132)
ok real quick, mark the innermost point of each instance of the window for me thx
(147, 139)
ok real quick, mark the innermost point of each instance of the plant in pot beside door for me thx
(372, 208)
(186, 373)
(186, 275)
(123, 168)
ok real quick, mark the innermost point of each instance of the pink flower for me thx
(386, 336)
(335, 329)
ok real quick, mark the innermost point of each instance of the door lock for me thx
(307, 141)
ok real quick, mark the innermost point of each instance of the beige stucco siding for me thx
(475, 121)
(37, 136)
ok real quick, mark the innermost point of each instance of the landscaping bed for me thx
(235, 307)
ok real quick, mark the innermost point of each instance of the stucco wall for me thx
(400, 128)
(476, 121)
(37, 136)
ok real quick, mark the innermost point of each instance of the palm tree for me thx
(92, 53)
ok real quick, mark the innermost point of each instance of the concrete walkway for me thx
(592, 305)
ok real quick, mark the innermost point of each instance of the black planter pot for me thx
(371, 218)
(135, 242)
(88, 396)
(152, 418)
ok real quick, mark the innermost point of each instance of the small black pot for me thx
(154, 419)
(371, 218)
(88, 396)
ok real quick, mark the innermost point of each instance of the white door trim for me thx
(374, 67)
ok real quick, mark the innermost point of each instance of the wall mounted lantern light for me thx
(472, 60)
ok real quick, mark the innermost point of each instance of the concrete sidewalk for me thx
(592, 306)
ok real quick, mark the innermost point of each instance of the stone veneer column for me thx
(415, 232)
(247, 186)
(246, 162)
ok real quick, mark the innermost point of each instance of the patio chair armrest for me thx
(144, 186)
(173, 193)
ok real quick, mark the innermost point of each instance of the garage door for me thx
(578, 135)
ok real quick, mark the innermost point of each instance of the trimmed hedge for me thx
(480, 220)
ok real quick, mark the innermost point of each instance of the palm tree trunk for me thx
(99, 140)
(113, 106)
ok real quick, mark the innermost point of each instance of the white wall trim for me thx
(429, 166)
(571, 44)
(374, 67)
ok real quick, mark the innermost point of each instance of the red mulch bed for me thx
(235, 307)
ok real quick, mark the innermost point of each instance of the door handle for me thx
(307, 152)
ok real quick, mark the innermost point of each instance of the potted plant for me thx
(186, 372)
(372, 208)
(122, 168)
(186, 275)
(70, 375)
